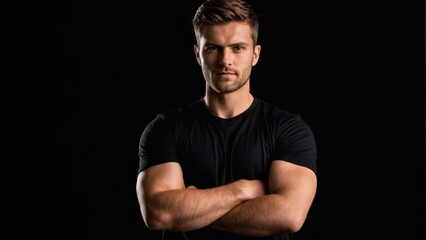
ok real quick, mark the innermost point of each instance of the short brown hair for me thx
(224, 11)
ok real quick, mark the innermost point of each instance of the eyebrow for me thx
(232, 45)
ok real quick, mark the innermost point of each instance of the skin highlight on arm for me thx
(284, 209)
(166, 204)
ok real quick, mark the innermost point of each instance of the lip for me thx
(226, 73)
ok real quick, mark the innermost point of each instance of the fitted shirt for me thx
(213, 151)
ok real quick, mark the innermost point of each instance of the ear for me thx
(256, 55)
(197, 54)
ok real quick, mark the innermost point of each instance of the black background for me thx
(83, 78)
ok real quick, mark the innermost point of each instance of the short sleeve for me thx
(156, 144)
(296, 143)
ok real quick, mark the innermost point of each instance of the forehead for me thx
(229, 33)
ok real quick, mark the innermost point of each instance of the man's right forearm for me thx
(192, 208)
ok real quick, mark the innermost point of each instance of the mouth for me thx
(226, 73)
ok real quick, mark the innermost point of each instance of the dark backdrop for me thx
(85, 77)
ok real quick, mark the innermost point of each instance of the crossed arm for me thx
(247, 207)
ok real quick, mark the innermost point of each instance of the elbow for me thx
(293, 223)
(156, 220)
(153, 224)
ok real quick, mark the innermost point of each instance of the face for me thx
(226, 55)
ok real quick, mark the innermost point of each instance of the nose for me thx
(225, 57)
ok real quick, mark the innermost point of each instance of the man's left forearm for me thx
(262, 216)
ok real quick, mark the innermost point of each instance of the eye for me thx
(210, 48)
(238, 48)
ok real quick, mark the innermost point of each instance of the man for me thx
(229, 165)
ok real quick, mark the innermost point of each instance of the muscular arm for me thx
(292, 190)
(167, 204)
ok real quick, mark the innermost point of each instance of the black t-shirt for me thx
(213, 151)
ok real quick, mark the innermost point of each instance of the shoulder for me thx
(166, 123)
(281, 120)
(294, 139)
(182, 113)
(274, 111)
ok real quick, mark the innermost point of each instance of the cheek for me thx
(208, 58)
(208, 62)
(207, 73)
(246, 71)
(248, 63)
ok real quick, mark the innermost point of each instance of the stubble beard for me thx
(228, 86)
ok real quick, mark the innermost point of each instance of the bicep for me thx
(162, 177)
(294, 181)
(294, 186)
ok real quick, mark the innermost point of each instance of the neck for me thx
(228, 105)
